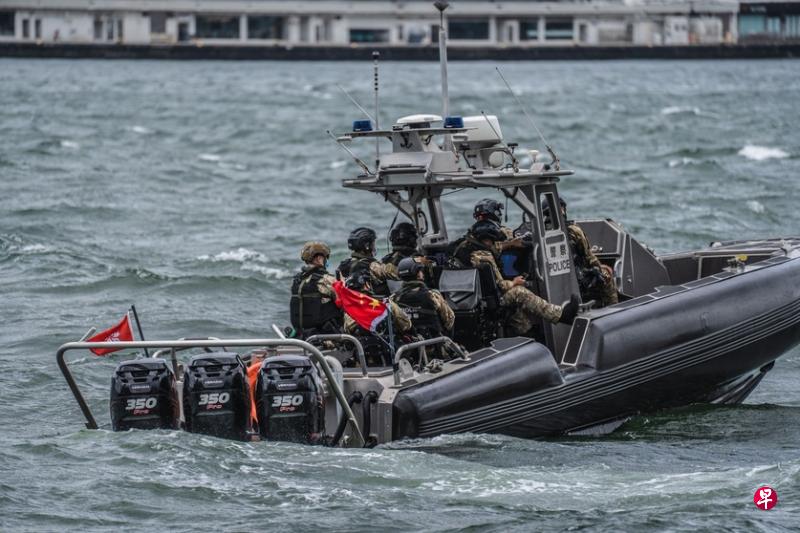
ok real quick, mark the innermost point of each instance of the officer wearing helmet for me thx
(361, 242)
(480, 247)
(488, 209)
(312, 306)
(404, 244)
(427, 308)
(596, 280)
(362, 282)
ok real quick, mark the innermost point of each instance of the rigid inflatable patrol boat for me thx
(700, 326)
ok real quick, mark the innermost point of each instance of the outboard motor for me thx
(216, 396)
(144, 396)
(290, 401)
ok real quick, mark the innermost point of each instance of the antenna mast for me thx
(442, 6)
(375, 56)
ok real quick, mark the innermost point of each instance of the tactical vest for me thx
(464, 249)
(398, 254)
(355, 265)
(417, 302)
(309, 315)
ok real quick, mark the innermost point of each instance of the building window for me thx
(217, 27)
(529, 30)
(158, 22)
(26, 29)
(558, 29)
(264, 27)
(7, 23)
(369, 36)
(98, 29)
(472, 30)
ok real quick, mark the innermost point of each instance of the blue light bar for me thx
(453, 122)
(362, 125)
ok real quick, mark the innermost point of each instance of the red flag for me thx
(367, 311)
(119, 333)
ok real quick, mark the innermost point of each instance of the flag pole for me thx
(391, 331)
(139, 327)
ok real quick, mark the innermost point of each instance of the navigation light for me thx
(453, 122)
(362, 125)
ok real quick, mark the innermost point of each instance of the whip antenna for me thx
(347, 94)
(556, 161)
(358, 161)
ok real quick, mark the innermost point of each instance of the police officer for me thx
(427, 309)
(404, 244)
(312, 306)
(479, 247)
(488, 209)
(596, 280)
(362, 259)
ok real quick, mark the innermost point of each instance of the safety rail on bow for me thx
(316, 355)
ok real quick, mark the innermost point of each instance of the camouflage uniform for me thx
(606, 292)
(312, 308)
(400, 321)
(378, 271)
(391, 260)
(526, 306)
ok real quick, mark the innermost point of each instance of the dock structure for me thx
(395, 24)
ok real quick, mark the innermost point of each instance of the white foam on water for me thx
(141, 130)
(755, 206)
(250, 260)
(35, 249)
(677, 109)
(762, 153)
(270, 272)
(70, 144)
(209, 157)
(681, 162)
(239, 255)
(337, 164)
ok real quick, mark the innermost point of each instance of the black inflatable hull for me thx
(709, 341)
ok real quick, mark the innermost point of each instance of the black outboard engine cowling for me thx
(144, 396)
(290, 401)
(216, 396)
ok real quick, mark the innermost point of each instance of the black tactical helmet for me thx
(361, 239)
(407, 269)
(404, 234)
(486, 229)
(488, 208)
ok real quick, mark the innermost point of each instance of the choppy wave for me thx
(141, 130)
(687, 110)
(72, 145)
(250, 260)
(762, 153)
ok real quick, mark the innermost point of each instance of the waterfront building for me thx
(372, 22)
